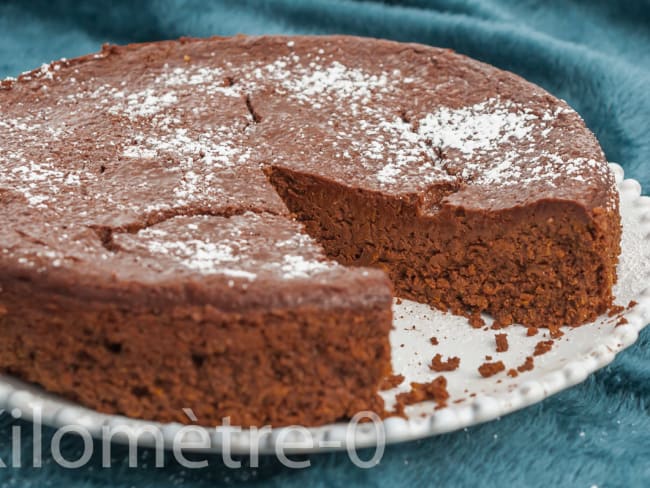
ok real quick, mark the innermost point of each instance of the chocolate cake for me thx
(221, 224)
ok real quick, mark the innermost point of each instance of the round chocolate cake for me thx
(221, 224)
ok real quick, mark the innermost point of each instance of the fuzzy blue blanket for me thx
(595, 54)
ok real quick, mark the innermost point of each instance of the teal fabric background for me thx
(595, 54)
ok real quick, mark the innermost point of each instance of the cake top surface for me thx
(157, 151)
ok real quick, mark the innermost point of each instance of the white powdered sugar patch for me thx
(204, 79)
(478, 128)
(516, 169)
(200, 157)
(234, 255)
(42, 181)
(397, 147)
(317, 82)
(299, 267)
(139, 152)
(144, 103)
(492, 141)
(335, 80)
(30, 178)
(213, 146)
(165, 89)
(198, 255)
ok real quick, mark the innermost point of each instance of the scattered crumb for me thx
(187, 58)
(398, 301)
(460, 400)
(472, 395)
(490, 369)
(501, 322)
(527, 365)
(437, 364)
(621, 321)
(555, 332)
(631, 304)
(502, 342)
(488, 358)
(434, 341)
(435, 390)
(476, 321)
(614, 310)
(391, 381)
(401, 345)
(513, 373)
(542, 347)
(531, 331)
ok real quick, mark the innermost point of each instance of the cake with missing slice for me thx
(221, 224)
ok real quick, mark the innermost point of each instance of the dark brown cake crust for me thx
(174, 215)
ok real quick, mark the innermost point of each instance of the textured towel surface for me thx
(595, 54)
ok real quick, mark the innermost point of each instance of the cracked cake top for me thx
(146, 162)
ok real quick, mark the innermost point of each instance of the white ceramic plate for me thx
(578, 353)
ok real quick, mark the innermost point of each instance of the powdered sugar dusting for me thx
(480, 127)
(208, 80)
(249, 246)
(198, 255)
(399, 150)
(334, 80)
(394, 152)
(41, 181)
(213, 146)
(144, 103)
(296, 266)
(170, 132)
